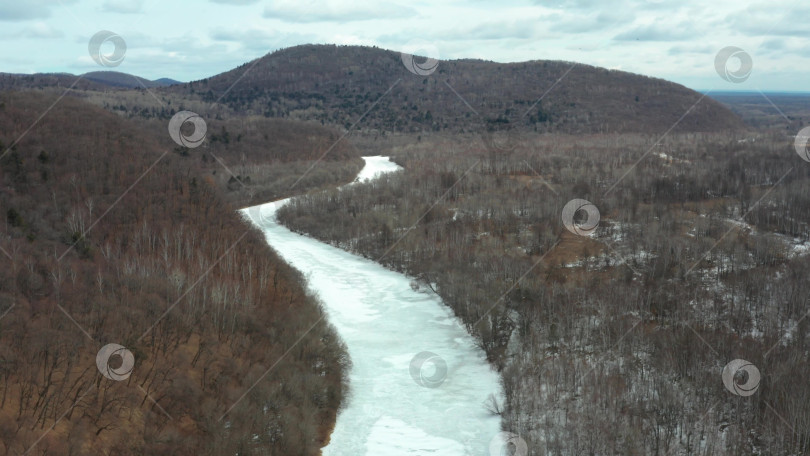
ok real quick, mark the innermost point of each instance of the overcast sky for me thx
(188, 40)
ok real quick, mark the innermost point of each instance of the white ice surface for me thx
(385, 324)
(376, 166)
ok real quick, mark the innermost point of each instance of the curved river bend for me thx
(385, 324)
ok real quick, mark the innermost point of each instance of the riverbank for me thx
(398, 403)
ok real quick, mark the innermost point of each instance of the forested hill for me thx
(111, 234)
(338, 84)
(94, 80)
(118, 79)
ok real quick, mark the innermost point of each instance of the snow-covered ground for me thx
(385, 323)
(376, 166)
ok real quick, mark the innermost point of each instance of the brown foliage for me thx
(104, 249)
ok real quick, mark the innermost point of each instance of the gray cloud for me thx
(492, 30)
(15, 10)
(783, 46)
(612, 5)
(38, 30)
(235, 2)
(335, 11)
(122, 6)
(657, 32)
(241, 35)
(691, 49)
(575, 4)
(258, 40)
(588, 22)
(768, 19)
(774, 44)
(504, 29)
(42, 31)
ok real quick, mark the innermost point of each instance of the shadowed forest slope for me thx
(338, 84)
(111, 235)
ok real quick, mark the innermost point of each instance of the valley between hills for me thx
(608, 325)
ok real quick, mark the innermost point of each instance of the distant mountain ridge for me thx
(118, 79)
(341, 84)
(369, 86)
(94, 80)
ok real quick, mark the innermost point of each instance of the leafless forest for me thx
(166, 268)
(606, 342)
(612, 343)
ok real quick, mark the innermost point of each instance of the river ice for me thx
(385, 324)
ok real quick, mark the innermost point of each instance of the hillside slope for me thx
(94, 80)
(338, 84)
(112, 235)
(118, 79)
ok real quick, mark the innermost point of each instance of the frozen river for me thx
(399, 403)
